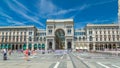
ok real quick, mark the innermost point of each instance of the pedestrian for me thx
(4, 54)
(10, 52)
(26, 54)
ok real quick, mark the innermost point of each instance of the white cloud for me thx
(15, 8)
(48, 9)
(21, 5)
(13, 22)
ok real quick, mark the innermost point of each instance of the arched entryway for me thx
(50, 45)
(59, 39)
(110, 46)
(90, 46)
(13, 47)
(69, 45)
(20, 47)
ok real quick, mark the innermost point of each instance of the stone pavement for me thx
(38, 61)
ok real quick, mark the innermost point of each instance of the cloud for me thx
(15, 9)
(13, 22)
(47, 9)
(21, 5)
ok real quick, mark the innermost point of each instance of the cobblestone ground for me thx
(70, 60)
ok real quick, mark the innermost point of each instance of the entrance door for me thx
(69, 45)
(59, 39)
(50, 45)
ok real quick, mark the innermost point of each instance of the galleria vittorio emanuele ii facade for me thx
(60, 34)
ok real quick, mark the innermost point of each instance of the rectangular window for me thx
(118, 37)
(20, 38)
(13, 38)
(96, 32)
(104, 32)
(17, 38)
(100, 39)
(9, 38)
(50, 31)
(24, 38)
(96, 39)
(30, 38)
(69, 31)
(104, 39)
(90, 32)
(2, 38)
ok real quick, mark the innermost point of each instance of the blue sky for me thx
(36, 12)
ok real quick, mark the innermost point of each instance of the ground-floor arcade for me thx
(52, 45)
(104, 46)
(23, 46)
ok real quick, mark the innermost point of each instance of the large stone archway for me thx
(59, 39)
(59, 33)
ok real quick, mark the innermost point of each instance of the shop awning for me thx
(24, 47)
(35, 45)
(3, 46)
(39, 45)
(9, 46)
(43, 45)
(30, 45)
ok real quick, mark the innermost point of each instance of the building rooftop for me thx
(102, 25)
(58, 20)
(17, 27)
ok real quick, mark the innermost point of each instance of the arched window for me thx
(40, 38)
(90, 38)
(79, 38)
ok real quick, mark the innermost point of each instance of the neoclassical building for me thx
(103, 36)
(60, 34)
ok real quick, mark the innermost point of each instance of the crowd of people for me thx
(28, 52)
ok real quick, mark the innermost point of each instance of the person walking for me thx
(26, 54)
(4, 54)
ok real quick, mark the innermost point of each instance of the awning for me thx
(6, 45)
(9, 46)
(35, 45)
(39, 46)
(30, 45)
(3, 46)
(43, 45)
(24, 47)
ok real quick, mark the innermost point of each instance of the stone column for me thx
(93, 46)
(73, 48)
(46, 45)
(53, 44)
(88, 48)
(18, 46)
(32, 46)
(65, 44)
(27, 45)
(14, 46)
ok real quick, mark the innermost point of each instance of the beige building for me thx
(103, 36)
(17, 37)
(60, 34)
